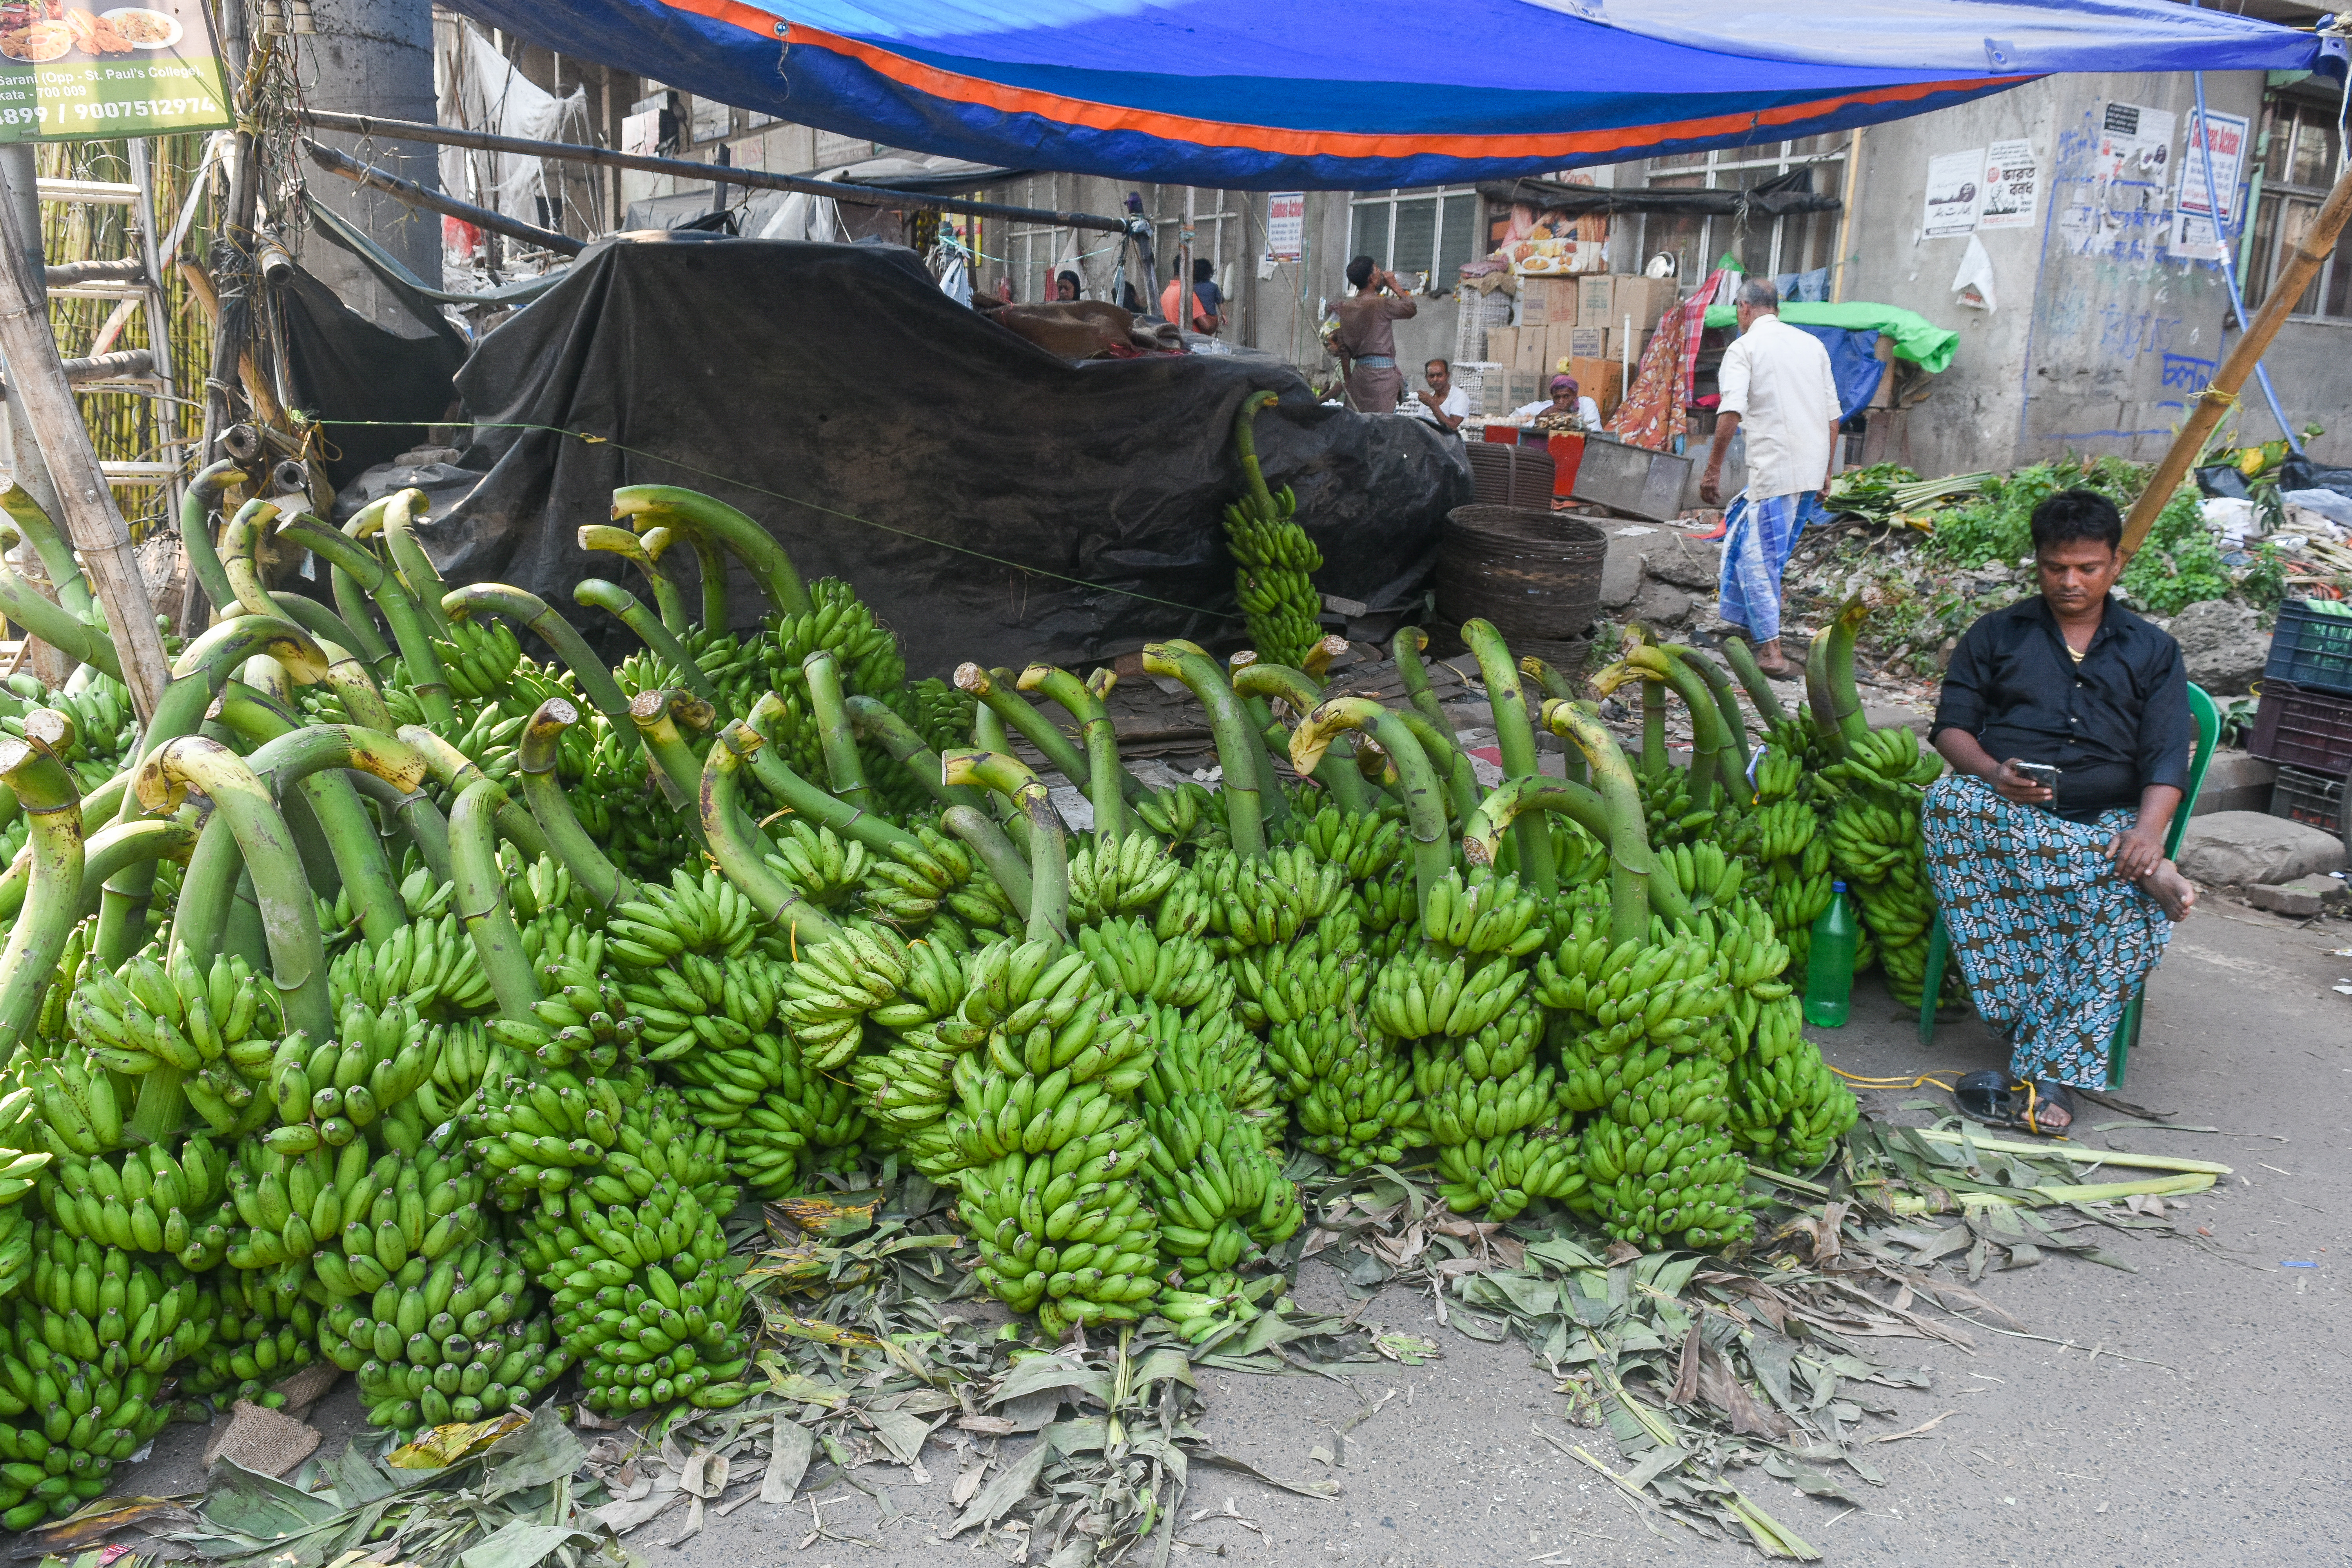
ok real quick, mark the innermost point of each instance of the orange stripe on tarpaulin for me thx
(956, 88)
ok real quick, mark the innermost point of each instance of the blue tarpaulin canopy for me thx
(1321, 94)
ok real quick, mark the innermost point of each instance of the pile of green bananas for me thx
(1275, 555)
(76, 1400)
(1787, 1106)
(259, 1335)
(99, 729)
(455, 1339)
(1875, 844)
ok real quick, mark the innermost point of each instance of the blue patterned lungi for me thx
(1757, 538)
(2052, 942)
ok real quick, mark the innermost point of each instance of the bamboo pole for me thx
(2221, 393)
(93, 521)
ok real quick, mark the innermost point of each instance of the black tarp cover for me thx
(341, 366)
(811, 385)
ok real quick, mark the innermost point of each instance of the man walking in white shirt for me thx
(1776, 385)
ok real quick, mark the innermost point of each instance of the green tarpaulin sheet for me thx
(1915, 338)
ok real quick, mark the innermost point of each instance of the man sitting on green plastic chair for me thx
(2059, 899)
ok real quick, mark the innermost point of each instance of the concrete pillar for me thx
(374, 57)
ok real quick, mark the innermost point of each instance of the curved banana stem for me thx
(1511, 803)
(196, 504)
(1405, 647)
(998, 698)
(456, 772)
(1424, 813)
(1095, 727)
(1630, 882)
(877, 721)
(1240, 751)
(313, 617)
(677, 771)
(995, 851)
(1742, 659)
(213, 660)
(418, 817)
(352, 599)
(1049, 854)
(238, 543)
(1846, 699)
(1338, 771)
(741, 849)
(1553, 682)
(401, 509)
(1727, 704)
(349, 677)
(843, 766)
(534, 613)
(596, 592)
(313, 759)
(798, 796)
(289, 918)
(53, 889)
(20, 601)
(110, 850)
(630, 547)
(481, 899)
(20, 512)
(1819, 703)
(1657, 670)
(1515, 737)
(1453, 767)
(542, 792)
(691, 512)
(410, 628)
(1246, 449)
(989, 734)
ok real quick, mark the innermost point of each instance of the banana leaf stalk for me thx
(354, 684)
(692, 513)
(1632, 887)
(677, 771)
(844, 768)
(812, 805)
(239, 542)
(1338, 772)
(741, 849)
(355, 561)
(40, 530)
(1424, 812)
(353, 601)
(1049, 860)
(53, 889)
(1653, 727)
(408, 558)
(109, 850)
(542, 792)
(1553, 682)
(418, 818)
(641, 553)
(1742, 659)
(1018, 715)
(991, 847)
(1726, 703)
(289, 914)
(1453, 764)
(456, 773)
(611, 597)
(481, 899)
(1514, 739)
(1844, 709)
(1101, 737)
(26, 606)
(313, 617)
(878, 722)
(989, 734)
(312, 758)
(1657, 670)
(1406, 647)
(533, 614)
(1239, 749)
(1274, 743)
(1513, 800)
(1261, 500)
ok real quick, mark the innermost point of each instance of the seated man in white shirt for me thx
(1447, 404)
(1566, 402)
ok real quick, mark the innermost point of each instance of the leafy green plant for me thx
(2178, 566)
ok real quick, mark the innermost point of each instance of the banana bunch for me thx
(1502, 1175)
(702, 1004)
(546, 1132)
(1631, 995)
(705, 914)
(73, 1420)
(1323, 969)
(1875, 844)
(452, 1340)
(341, 1219)
(1870, 836)
(1485, 1086)
(1667, 809)
(478, 659)
(1800, 891)
(1779, 831)
(1422, 991)
(1748, 948)
(722, 1083)
(1206, 1050)
(1259, 540)
(1778, 773)
(1283, 610)
(1670, 1182)
(1366, 845)
(584, 1014)
(423, 896)
(143, 1202)
(906, 885)
(1132, 959)
(1220, 1195)
(816, 864)
(260, 1333)
(1200, 1315)
(430, 964)
(177, 1015)
(827, 995)
(1891, 755)
(16, 1244)
(940, 713)
(1492, 915)
(1707, 875)
(1259, 900)
(1787, 1107)
(1181, 813)
(1388, 907)
(1123, 877)
(1064, 1230)
(1349, 1087)
(329, 1093)
(838, 619)
(98, 1303)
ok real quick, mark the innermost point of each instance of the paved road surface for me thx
(2229, 1448)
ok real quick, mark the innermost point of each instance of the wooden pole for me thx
(2221, 393)
(92, 523)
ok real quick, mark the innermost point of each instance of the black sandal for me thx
(2002, 1100)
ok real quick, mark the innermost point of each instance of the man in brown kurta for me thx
(1367, 336)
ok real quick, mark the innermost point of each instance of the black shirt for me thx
(2113, 724)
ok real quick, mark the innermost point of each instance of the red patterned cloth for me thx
(1655, 412)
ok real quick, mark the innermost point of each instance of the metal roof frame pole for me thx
(2220, 394)
(37, 378)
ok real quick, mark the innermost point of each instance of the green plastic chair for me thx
(2208, 719)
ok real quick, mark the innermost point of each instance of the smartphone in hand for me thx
(2044, 773)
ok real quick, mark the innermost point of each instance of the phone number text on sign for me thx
(173, 108)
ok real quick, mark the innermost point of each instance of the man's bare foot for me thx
(2167, 886)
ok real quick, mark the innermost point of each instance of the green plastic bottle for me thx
(1828, 968)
